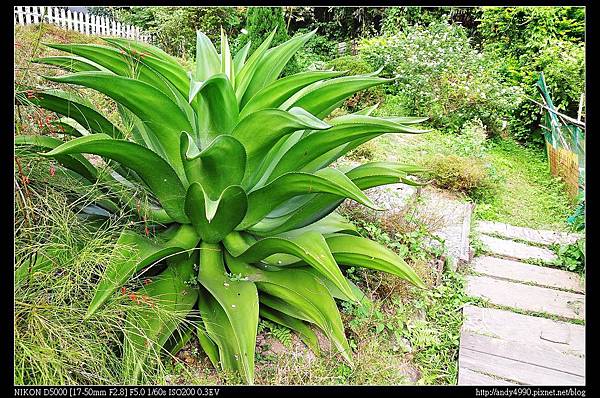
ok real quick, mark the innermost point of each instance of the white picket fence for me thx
(77, 21)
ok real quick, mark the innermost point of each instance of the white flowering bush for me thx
(442, 76)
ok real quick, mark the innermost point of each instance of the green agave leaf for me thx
(274, 94)
(161, 115)
(368, 110)
(139, 132)
(363, 252)
(239, 301)
(248, 70)
(219, 330)
(75, 162)
(260, 131)
(300, 214)
(380, 173)
(76, 108)
(144, 330)
(213, 220)
(310, 247)
(322, 97)
(274, 156)
(209, 347)
(298, 294)
(263, 200)
(151, 168)
(349, 129)
(208, 63)
(217, 167)
(406, 119)
(240, 58)
(137, 253)
(179, 339)
(141, 47)
(71, 127)
(124, 64)
(307, 335)
(72, 63)
(156, 59)
(216, 108)
(337, 293)
(332, 223)
(270, 66)
(226, 61)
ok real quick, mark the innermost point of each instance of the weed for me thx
(571, 257)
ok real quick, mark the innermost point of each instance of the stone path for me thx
(518, 343)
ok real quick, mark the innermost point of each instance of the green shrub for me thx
(442, 76)
(357, 66)
(462, 174)
(364, 152)
(314, 55)
(471, 141)
(529, 40)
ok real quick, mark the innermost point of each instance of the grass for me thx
(525, 192)
(60, 256)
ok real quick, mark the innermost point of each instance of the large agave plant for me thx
(235, 163)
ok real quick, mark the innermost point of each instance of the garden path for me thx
(532, 332)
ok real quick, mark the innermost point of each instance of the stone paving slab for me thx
(517, 250)
(543, 237)
(528, 273)
(552, 335)
(518, 362)
(526, 297)
(468, 377)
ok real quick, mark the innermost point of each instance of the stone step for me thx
(544, 237)
(468, 377)
(517, 250)
(529, 273)
(500, 347)
(526, 297)
(552, 335)
(518, 362)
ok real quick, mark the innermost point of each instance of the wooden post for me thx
(580, 108)
(86, 16)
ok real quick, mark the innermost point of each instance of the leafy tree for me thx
(530, 40)
(260, 23)
(175, 27)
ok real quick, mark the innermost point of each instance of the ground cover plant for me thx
(226, 168)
